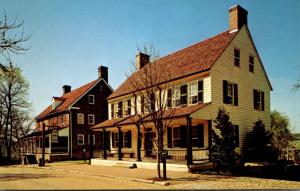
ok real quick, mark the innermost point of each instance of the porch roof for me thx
(36, 133)
(168, 114)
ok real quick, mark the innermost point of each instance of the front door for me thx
(148, 143)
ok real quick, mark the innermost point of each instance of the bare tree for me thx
(152, 95)
(14, 98)
(11, 43)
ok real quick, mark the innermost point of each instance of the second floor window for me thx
(91, 119)
(251, 64)
(195, 92)
(230, 93)
(259, 100)
(236, 57)
(91, 99)
(80, 118)
(176, 97)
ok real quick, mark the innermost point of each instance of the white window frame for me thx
(230, 85)
(192, 92)
(91, 101)
(93, 117)
(80, 137)
(78, 115)
(116, 109)
(176, 97)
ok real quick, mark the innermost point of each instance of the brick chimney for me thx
(141, 60)
(66, 89)
(103, 73)
(237, 17)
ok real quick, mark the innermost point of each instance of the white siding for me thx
(207, 89)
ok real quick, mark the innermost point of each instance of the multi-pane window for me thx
(236, 57)
(183, 94)
(259, 100)
(116, 110)
(80, 139)
(127, 107)
(251, 63)
(177, 137)
(198, 136)
(80, 118)
(115, 139)
(127, 139)
(91, 119)
(193, 92)
(230, 93)
(176, 97)
(91, 99)
(112, 110)
(142, 104)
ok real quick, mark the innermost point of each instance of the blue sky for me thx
(70, 39)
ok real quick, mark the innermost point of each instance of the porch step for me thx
(201, 166)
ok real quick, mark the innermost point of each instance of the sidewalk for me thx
(136, 174)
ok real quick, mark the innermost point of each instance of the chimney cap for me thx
(237, 6)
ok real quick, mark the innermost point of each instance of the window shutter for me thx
(183, 136)
(121, 141)
(263, 101)
(200, 135)
(169, 101)
(200, 91)
(183, 95)
(254, 99)
(107, 142)
(236, 95)
(225, 91)
(169, 137)
(112, 138)
(129, 139)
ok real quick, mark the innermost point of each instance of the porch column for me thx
(43, 145)
(119, 143)
(139, 142)
(189, 151)
(209, 137)
(104, 144)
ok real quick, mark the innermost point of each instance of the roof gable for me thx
(68, 99)
(193, 59)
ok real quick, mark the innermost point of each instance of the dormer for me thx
(56, 101)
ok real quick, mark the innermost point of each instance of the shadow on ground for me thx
(11, 177)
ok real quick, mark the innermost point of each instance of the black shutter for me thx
(200, 135)
(262, 101)
(121, 140)
(254, 99)
(169, 98)
(225, 91)
(236, 95)
(200, 91)
(169, 137)
(129, 139)
(183, 136)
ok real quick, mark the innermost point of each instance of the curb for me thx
(161, 183)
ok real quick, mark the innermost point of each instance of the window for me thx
(127, 139)
(236, 135)
(80, 139)
(259, 100)
(251, 63)
(183, 95)
(236, 57)
(91, 99)
(198, 136)
(115, 110)
(177, 137)
(89, 139)
(115, 139)
(142, 104)
(230, 93)
(193, 93)
(127, 108)
(112, 110)
(169, 99)
(91, 119)
(80, 118)
(176, 97)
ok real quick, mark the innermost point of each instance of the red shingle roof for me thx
(67, 100)
(196, 58)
